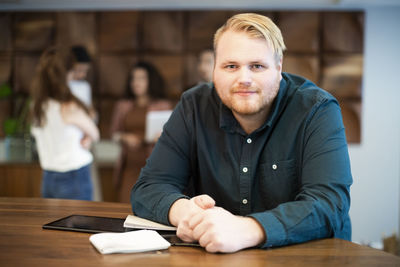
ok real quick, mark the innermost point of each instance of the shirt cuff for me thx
(165, 204)
(274, 230)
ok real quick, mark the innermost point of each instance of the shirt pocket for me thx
(278, 182)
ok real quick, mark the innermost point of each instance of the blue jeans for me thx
(74, 184)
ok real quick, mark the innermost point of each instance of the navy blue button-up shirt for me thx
(292, 174)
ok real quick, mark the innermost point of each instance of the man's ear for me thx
(279, 63)
(279, 67)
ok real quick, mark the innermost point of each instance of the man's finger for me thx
(204, 201)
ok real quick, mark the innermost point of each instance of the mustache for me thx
(242, 89)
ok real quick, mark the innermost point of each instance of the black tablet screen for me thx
(95, 224)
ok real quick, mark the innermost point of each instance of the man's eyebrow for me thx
(229, 62)
(258, 61)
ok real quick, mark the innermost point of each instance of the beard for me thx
(259, 100)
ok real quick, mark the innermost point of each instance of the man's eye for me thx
(257, 66)
(230, 66)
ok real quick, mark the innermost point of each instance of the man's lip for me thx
(244, 93)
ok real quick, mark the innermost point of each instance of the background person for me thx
(259, 158)
(63, 130)
(205, 65)
(78, 66)
(145, 92)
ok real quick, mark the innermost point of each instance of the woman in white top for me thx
(63, 130)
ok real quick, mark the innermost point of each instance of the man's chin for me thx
(245, 111)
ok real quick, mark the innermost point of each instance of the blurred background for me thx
(349, 48)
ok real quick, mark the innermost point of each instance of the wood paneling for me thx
(109, 192)
(306, 66)
(114, 73)
(300, 31)
(33, 31)
(351, 113)
(24, 71)
(342, 75)
(202, 26)
(343, 32)
(5, 113)
(20, 180)
(24, 180)
(77, 28)
(163, 31)
(5, 33)
(325, 47)
(119, 31)
(5, 68)
(171, 68)
(106, 107)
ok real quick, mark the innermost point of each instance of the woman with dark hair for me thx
(63, 131)
(145, 92)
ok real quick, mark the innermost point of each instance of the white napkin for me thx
(133, 241)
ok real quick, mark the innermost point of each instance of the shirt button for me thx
(244, 201)
(245, 169)
(249, 140)
(274, 166)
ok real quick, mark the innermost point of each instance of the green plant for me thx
(18, 123)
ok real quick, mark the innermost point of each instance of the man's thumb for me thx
(204, 201)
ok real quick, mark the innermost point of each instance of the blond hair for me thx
(256, 26)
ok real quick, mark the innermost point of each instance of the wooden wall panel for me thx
(5, 68)
(306, 66)
(343, 32)
(202, 26)
(113, 74)
(163, 31)
(33, 31)
(325, 47)
(106, 109)
(351, 113)
(5, 33)
(18, 180)
(342, 75)
(77, 28)
(171, 68)
(300, 31)
(24, 71)
(119, 31)
(5, 113)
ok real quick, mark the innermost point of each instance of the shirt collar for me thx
(229, 123)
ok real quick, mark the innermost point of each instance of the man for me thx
(263, 152)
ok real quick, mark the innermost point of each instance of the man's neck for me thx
(250, 123)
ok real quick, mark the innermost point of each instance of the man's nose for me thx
(244, 78)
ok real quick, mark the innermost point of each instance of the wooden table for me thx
(23, 242)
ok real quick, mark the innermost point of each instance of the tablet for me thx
(155, 121)
(96, 224)
(88, 224)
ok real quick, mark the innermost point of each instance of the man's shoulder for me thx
(199, 91)
(200, 95)
(302, 89)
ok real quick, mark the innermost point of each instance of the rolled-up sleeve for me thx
(321, 206)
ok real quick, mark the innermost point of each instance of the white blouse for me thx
(58, 143)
